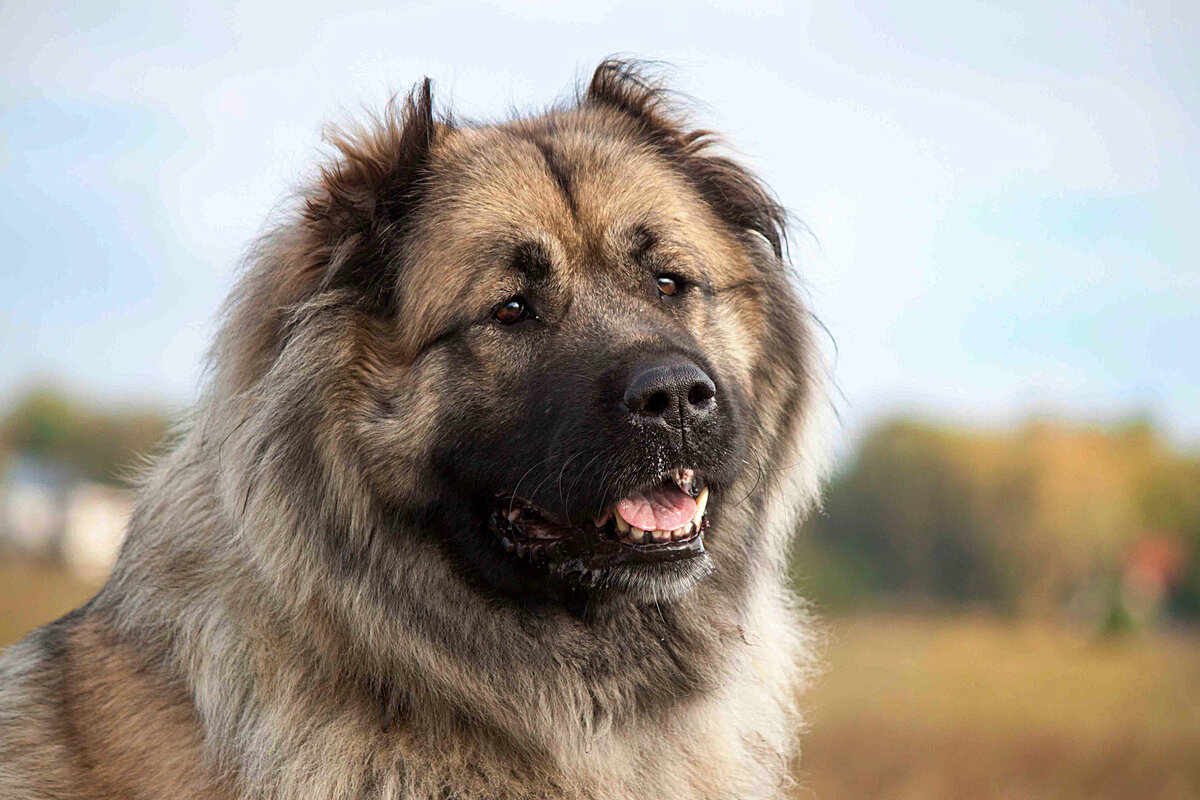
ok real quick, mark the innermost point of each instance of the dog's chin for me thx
(654, 583)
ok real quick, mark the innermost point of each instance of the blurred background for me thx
(997, 225)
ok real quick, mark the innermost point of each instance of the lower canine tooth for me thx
(622, 525)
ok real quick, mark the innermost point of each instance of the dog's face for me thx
(588, 335)
(571, 327)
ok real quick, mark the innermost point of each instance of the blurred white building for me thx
(48, 513)
(94, 527)
(32, 494)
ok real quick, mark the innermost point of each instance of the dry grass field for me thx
(968, 708)
(32, 594)
(956, 708)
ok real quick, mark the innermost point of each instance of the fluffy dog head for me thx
(565, 350)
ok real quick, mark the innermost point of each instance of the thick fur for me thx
(306, 605)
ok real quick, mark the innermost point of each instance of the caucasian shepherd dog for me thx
(505, 434)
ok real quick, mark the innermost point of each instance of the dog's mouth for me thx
(662, 521)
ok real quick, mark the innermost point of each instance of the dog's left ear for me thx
(737, 197)
(358, 211)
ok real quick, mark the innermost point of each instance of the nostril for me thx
(701, 393)
(657, 404)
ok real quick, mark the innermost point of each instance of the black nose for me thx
(669, 391)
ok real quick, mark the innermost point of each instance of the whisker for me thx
(563, 469)
(758, 480)
(565, 502)
(602, 473)
(550, 474)
(522, 480)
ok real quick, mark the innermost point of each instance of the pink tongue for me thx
(663, 508)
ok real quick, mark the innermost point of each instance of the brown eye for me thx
(511, 310)
(667, 285)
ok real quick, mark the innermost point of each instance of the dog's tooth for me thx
(635, 535)
(701, 504)
(661, 536)
(602, 519)
(622, 525)
(682, 533)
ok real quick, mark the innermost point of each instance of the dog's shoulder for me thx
(38, 757)
(85, 714)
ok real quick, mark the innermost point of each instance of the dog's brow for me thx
(533, 260)
(642, 240)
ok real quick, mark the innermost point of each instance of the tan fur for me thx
(274, 628)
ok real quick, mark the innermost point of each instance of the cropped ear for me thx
(356, 214)
(736, 195)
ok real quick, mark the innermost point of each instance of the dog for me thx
(489, 492)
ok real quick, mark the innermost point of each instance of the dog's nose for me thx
(669, 391)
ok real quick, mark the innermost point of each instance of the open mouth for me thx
(663, 521)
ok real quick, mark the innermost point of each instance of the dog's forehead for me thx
(588, 190)
(569, 180)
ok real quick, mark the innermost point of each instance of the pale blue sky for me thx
(1005, 204)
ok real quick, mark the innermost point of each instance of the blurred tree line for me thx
(1022, 522)
(103, 444)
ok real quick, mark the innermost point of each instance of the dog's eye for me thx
(511, 310)
(667, 285)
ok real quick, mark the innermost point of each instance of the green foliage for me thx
(1170, 500)
(1020, 522)
(103, 444)
(1117, 620)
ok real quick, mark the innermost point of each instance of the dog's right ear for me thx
(373, 182)
(355, 216)
(345, 244)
